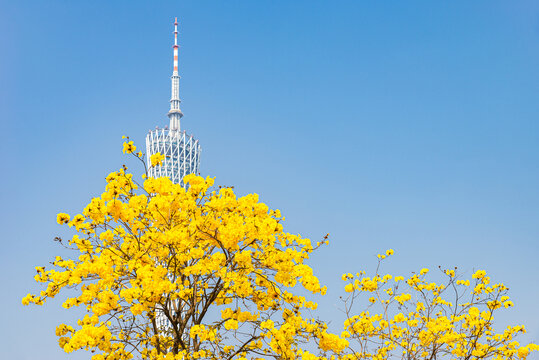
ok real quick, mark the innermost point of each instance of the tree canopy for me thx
(165, 272)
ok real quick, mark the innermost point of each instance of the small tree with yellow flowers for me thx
(414, 318)
(169, 273)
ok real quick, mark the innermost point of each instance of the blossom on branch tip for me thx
(129, 147)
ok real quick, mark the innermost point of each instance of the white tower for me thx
(182, 151)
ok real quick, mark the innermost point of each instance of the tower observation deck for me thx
(182, 151)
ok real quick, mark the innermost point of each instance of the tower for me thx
(182, 151)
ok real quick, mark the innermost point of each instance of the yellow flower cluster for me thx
(62, 218)
(129, 147)
(156, 159)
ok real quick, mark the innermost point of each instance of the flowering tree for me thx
(165, 272)
(413, 318)
(169, 273)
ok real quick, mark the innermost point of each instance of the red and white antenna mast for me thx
(176, 45)
(175, 114)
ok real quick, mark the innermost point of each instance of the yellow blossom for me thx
(156, 159)
(62, 218)
(479, 274)
(129, 147)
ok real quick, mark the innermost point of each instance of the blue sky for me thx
(406, 125)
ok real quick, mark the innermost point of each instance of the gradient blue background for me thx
(410, 125)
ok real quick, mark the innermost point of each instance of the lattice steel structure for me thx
(182, 154)
(182, 151)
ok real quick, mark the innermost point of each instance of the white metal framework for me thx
(182, 152)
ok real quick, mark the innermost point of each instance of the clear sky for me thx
(410, 125)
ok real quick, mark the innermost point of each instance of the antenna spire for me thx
(176, 44)
(175, 113)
